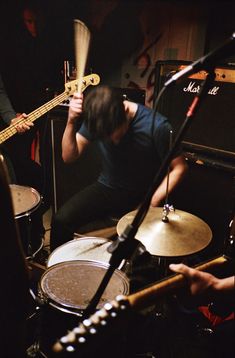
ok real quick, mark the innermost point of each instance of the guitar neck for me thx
(11, 130)
(71, 87)
(108, 315)
(148, 296)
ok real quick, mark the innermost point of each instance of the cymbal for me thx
(183, 234)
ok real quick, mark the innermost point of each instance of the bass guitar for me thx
(70, 88)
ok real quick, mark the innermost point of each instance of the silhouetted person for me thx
(14, 298)
(32, 74)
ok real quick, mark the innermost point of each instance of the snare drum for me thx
(26, 202)
(67, 288)
(83, 248)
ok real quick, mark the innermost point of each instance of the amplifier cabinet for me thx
(213, 127)
(209, 145)
(69, 178)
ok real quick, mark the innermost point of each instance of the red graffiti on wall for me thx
(144, 60)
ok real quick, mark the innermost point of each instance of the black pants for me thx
(95, 203)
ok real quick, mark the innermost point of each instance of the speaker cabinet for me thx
(209, 146)
(70, 178)
(212, 129)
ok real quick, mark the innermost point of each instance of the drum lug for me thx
(41, 299)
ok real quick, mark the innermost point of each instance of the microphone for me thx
(223, 51)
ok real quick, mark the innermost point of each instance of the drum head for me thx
(25, 199)
(84, 248)
(73, 284)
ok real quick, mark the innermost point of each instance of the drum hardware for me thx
(34, 350)
(167, 207)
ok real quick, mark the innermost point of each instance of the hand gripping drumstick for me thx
(82, 42)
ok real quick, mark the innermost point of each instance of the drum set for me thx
(75, 269)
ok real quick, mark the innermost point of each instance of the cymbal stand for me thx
(162, 262)
(166, 207)
(126, 244)
(34, 350)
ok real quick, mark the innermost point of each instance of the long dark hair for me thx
(104, 111)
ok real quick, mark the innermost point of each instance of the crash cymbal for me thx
(183, 233)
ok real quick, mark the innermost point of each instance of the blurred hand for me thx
(199, 282)
(75, 107)
(21, 123)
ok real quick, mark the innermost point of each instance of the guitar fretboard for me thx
(11, 130)
(70, 87)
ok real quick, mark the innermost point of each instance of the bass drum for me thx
(67, 288)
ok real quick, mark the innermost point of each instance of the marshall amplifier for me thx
(212, 130)
(209, 146)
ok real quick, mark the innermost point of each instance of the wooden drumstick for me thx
(82, 42)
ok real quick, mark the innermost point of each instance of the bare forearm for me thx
(69, 144)
(203, 282)
(176, 174)
(160, 193)
(224, 284)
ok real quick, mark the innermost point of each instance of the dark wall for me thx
(60, 15)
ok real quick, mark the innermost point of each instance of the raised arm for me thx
(73, 143)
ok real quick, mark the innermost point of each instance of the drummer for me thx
(133, 141)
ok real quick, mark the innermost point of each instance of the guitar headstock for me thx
(90, 80)
(88, 334)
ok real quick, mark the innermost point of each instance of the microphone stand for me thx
(125, 244)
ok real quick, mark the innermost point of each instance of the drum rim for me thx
(54, 303)
(33, 208)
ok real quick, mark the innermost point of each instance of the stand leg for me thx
(34, 350)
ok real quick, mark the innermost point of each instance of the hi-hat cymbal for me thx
(183, 234)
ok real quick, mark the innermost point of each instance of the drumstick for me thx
(82, 41)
